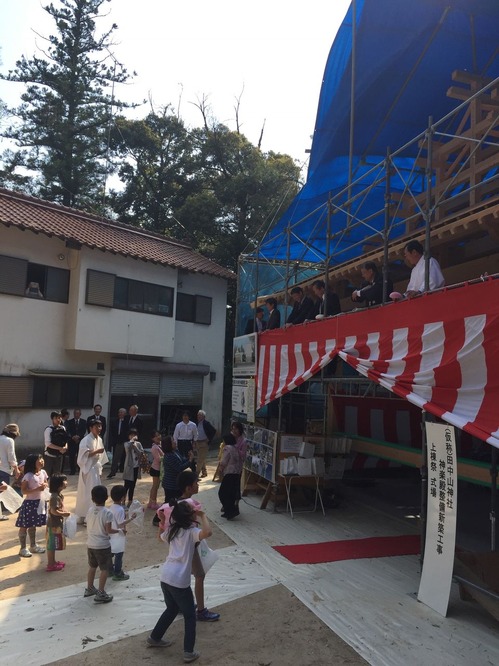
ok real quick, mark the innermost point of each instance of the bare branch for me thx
(261, 134)
(237, 108)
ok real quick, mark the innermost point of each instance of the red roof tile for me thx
(68, 224)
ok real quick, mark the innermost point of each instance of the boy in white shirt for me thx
(99, 528)
(118, 541)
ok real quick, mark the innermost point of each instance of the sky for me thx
(269, 53)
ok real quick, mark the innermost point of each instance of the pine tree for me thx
(63, 122)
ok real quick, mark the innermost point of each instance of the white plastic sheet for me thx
(10, 499)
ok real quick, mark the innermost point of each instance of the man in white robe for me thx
(91, 458)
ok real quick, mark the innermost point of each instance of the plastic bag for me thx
(10, 499)
(42, 504)
(118, 542)
(137, 509)
(207, 555)
(70, 526)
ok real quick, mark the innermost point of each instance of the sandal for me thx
(58, 566)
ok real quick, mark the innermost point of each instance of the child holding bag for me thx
(188, 486)
(34, 482)
(55, 518)
(182, 535)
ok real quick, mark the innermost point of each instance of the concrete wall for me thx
(198, 343)
(39, 334)
(111, 330)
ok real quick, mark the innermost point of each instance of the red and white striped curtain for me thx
(439, 351)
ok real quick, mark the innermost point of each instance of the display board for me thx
(244, 350)
(243, 398)
(261, 455)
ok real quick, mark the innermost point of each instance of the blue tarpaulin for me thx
(405, 53)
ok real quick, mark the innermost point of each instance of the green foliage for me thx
(208, 185)
(62, 123)
(158, 167)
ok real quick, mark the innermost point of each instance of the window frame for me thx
(194, 308)
(150, 298)
(22, 271)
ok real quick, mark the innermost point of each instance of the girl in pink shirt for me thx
(34, 482)
(155, 470)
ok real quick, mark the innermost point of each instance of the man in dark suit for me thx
(327, 303)
(134, 421)
(303, 307)
(77, 429)
(274, 320)
(97, 416)
(118, 435)
(371, 289)
(255, 324)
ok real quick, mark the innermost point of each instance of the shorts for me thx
(100, 557)
(154, 472)
(55, 539)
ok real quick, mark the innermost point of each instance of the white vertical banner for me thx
(438, 564)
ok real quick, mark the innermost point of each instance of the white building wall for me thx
(118, 331)
(43, 335)
(198, 343)
(32, 335)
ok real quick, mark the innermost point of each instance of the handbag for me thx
(144, 463)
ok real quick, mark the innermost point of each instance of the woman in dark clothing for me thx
(173, 463)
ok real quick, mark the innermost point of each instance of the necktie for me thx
(119, 426)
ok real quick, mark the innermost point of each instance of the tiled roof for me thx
(28, 213)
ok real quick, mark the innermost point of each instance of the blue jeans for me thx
(118, 563)
(177, 599)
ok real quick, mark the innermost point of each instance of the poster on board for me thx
(438, 564)
(243, 399)
(244, 356)
(261, 454)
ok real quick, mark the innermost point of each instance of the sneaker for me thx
(102, 597)
(37, 549)
(207, 616)
(190, 656)
(58, 566)
(90, 591)
(24, 552)
(152, 643)
(121, 576)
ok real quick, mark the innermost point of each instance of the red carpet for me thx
(351, 549)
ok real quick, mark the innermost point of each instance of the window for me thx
(196, 309)
(22, 278)
(16, 392)
(112, 291)
(53, 392)
(46, 392)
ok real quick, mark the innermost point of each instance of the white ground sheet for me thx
(370, 603)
